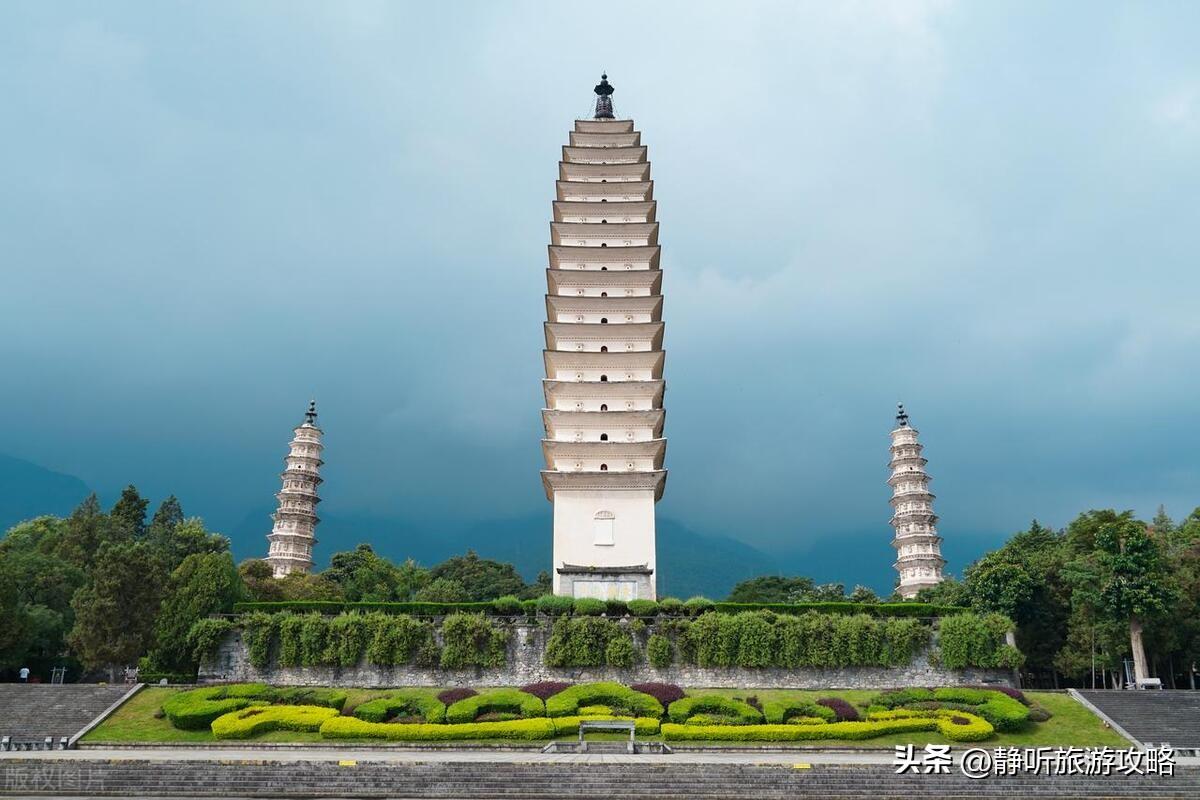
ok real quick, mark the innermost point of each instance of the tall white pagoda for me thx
(604, 444)
(918, 546)
(293, 535)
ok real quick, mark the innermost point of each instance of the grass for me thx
(1071, 724)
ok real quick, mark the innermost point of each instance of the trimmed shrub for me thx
(671, 606)
(664, 693)
(659, 651)
(347, 639)
(620, 652)
(589, 607)
(580, 641)
(257, 632)
(695, 606)
(451, 696)
(413, 703)
(1004, 712)
(397, 639)
(743, 712)
(1015, 694)
(616, 608)
(777, 712)
(555, 605)
(958, 726)
(975, 730)
(521, 729)
(617, 697)
(472, 640)
(844, 711)
(248, 722)
(544, 690)
(642, 608)
(196, 709)
(507, 606)
(567, 726)
(512, 701)
(901, 697)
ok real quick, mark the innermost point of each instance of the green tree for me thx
(773, 589)
(443, 590)
(85, 531)
(950, 592)
(365, 576)
(203, 584)
(41, 584)
(259, 581)
(162, 526)
(863, 594)
(129, 513)
(481, 578)
(115, 611)
(186, 538)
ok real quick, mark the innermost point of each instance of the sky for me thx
(212, 212)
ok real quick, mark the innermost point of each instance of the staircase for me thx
(1152, 717)
(551, 781)
(29, 713)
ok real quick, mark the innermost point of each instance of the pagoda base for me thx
(606, 583)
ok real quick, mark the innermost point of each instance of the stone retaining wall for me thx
(525, 665)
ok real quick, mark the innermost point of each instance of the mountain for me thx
(27, 491)
(690, 563)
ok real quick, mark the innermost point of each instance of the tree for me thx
(162, 526)
(184, 539)
(84, 532)
(258, 579)
(481, 578)
(1135, 582)
(129, 513)
(203, 584)
(303, 586)
(41, 585)
(863, 594)
(365, 576)
(443, 590)
(114, 613)
(772, 589)
(542, 585)
(949, 592)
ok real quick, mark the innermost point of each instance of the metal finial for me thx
(901, 415)
(604, 90)
(310, 416)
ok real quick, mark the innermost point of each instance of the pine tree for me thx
(129, 512)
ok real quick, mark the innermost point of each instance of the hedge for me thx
(416, 703)
(777, 712)
(252, 721)
(206, 635)
(743, 712)
(617, 697)
(556, 605)
(352, 728)
(581, 642)
(196, 709)
(998, 708)
(472, 640)
(764, 639)
(567, 726)
(512, 701)
(975, 729)
(977, 640)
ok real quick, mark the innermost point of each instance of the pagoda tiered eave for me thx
(605, 139)
(649, 334)
(603, 391)
(570, 281)
(558, 305)
(630, 154)
(604, 126)
(631, 481)
(587, 361)
(654, 449)
(591, 234)
(651, 419)
(614, 258)
(603, 173)
(618, 191)
(613, 211)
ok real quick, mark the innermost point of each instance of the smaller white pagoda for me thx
(294, 533)
(918, 546)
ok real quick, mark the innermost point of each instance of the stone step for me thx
(34, 711)
(549, 781)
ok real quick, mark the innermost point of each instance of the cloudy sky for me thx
(213, 211)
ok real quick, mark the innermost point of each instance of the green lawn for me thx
(1072, 724)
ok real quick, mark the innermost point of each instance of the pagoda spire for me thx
(293, 535)
(918, 546)
(604, 90)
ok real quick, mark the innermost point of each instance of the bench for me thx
(1150, 683)
(607, 725)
